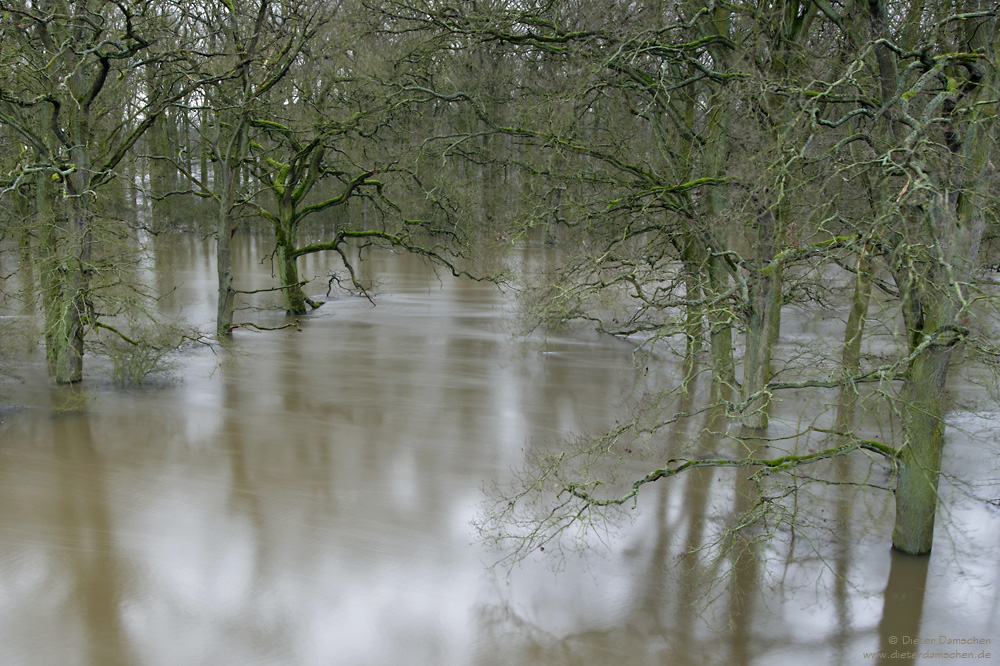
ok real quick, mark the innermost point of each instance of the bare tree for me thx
(69, 67)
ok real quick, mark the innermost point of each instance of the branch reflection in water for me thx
(307, 499)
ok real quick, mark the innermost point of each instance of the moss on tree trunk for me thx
(920, 455)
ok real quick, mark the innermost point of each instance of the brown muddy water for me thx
(307, 500)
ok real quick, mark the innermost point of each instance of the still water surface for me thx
(307, 500)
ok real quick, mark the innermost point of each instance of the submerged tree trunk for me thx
(73, 309)
(226, 172)
(937, 257)
(288, 272)
(49, 265)
(72, 313)
(920, 455)
(224, 256)
(935, 324)
(286, 236)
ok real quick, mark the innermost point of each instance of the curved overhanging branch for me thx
(546, 507)
(398, 241)
(766, 466)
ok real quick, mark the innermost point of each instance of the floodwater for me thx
(308, 498)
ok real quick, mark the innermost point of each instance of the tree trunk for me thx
(938, 302)
(850, 364)
(720, 327)
(73, 302)
(920, 455)
(223, 253)
(160, 170)
(206, 151)
(757, 362)
(693, 311)
(763, 319)
(288, 270)
(49, 261)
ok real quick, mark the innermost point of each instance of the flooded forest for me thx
(559, 332)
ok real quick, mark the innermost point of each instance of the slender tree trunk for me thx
(763, 317)
(720, 327)
(850, 363)
(757, 361)
(719, 314)
(160, 170)
(693, 312)
(224, 258)
(205, 149)
(48, 246)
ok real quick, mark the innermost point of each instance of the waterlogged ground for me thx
(308, 499)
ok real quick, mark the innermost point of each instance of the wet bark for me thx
(223, 254)
(49, 262)
(694, 310)
(288, 271)
(720, 327)
(72, 304)
(850, 364)
(921, 453)
(762, 321)
(73, 308)
(936, 302)
(160, 168)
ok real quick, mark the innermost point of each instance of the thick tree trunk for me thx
(288, 271)
(73, 302)
(950, 226)
(72, 305)
(937, 300)
(920, 455)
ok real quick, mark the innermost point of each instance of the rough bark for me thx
(921, 453)
(288, 272)
(761, 322)
(223, 253)
(854, 329)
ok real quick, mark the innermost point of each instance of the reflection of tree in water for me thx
(903, 605)
(722, 550)
(101, 575)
